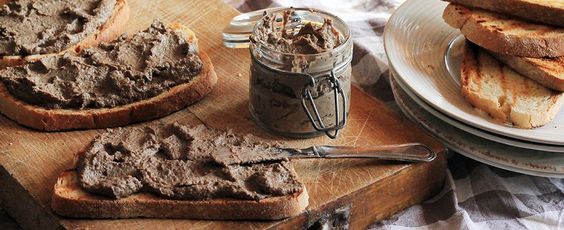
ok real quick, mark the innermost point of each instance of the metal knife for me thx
(411, 152)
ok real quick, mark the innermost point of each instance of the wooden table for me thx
(362, 191)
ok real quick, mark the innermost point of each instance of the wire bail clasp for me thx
(317, 121)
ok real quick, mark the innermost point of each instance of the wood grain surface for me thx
(30, 161)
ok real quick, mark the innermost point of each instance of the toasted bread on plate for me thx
(504, 34)
(540, 11)
(548, 72)
(504, 94)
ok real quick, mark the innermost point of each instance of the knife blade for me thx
(410, 152)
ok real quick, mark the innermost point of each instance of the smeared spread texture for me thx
(287, 41)
(181, 162)
(40, 27)
(112, 74)
(311, 38)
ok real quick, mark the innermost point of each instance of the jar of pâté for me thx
(300, 82)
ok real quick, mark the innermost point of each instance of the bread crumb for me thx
(239, 75)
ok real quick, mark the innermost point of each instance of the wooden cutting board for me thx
(353, 192)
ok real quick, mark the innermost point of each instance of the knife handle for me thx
(411, 152)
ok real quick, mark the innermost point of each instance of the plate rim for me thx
(555, 149)
(482, 123)
(475, 156)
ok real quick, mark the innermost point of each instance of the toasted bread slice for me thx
(548, 72)
(114, 27)
(70, 200)
(504, 94)
(505, 35)
(540, 11)
(161, 105)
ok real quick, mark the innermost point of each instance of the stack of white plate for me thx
(424, 55)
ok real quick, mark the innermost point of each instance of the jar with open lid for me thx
(300, 82)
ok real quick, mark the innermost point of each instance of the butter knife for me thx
(411, 152)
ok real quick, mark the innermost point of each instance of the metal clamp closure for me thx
(317, 121)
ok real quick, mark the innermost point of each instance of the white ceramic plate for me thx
(531, 162)
(475, 131)
(416, 40)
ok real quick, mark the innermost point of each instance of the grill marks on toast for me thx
(471, 60)
(554, 64)
(548, 72)
(504, 94)
(502, 23)
(541, 11)
(502, 34)
(517, 89)
(502, 100)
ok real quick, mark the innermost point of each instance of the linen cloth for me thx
(475, 196)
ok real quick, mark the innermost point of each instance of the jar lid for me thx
(237, 33)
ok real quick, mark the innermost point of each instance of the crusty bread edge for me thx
(161, 105)
(469, 60)
(528, 68)
(459, 17)
(70, 200)
(114, 27)
(523, 9)
(520, 120)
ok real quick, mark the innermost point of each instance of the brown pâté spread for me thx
(292, 49)
(39, 27)
(113, 74)
(180, 162)
(311, 38)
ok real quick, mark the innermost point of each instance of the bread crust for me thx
(109, 31)
(496, 107)
(495, 39)
(70, 200)
(546, 71)
(533, 11)
(161, 105)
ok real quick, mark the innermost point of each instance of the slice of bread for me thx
(505, 35)
(504, 94)
(69, 199)
(113, 28)
(212, 151)
(174, 99)
(540, 11)
(548, 72)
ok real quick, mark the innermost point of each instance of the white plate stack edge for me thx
(424, 56)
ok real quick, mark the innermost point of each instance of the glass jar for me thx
(301, 95)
